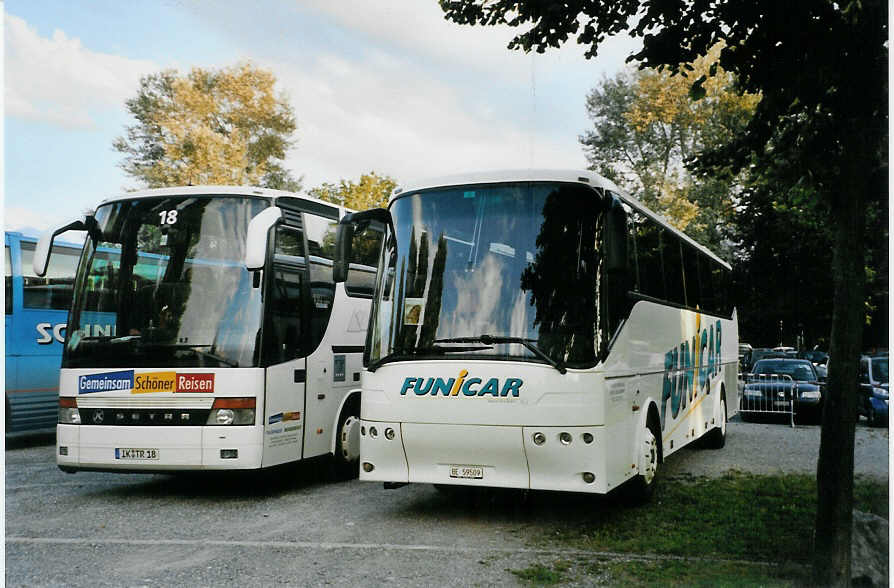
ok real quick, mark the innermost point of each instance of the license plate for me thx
(467, 472)
(135, 453)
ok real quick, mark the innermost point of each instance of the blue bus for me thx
(36, 315)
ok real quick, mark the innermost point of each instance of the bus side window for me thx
(691, 284)
(673, 267)
(284, 335)
(649, 259)
(8, 269)
(54, 290)
(320, 233)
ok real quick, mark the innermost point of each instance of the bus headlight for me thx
(232, 411)
(68, 411)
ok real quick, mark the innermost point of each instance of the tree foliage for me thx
(646, 126)
(821, 67)
(371, 191)
(223, 126)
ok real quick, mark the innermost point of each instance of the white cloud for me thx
(396, 119)
(420, 27)
(59, 81)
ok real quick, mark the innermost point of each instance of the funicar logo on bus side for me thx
(462, 385)
(690, 368)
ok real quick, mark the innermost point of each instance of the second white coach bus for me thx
(206, 333)
(538, 330)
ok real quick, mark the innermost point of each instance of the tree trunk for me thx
(835, 467)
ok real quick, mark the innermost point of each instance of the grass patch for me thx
(738, 516)
(542, 575)
(692, 573)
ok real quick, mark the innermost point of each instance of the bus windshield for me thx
(162, 282)
(506, 271)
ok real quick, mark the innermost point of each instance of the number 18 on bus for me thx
(228, 345)
(541, 330)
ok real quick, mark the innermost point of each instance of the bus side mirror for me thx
(344, 238)
(257, 236)
(616, 238)
(45, 244)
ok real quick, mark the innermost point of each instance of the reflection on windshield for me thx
(515, 260)
(162, 283)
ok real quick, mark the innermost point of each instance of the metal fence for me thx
(769, 394)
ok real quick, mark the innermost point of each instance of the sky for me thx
(388, 86)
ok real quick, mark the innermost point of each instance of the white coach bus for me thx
(207, 333)
(540, 330)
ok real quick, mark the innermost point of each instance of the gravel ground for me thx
(777, 448)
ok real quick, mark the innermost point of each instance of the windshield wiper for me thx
(413, 353)
(493, 339)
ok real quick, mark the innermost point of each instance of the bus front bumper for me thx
(537, 458)
(147, 449)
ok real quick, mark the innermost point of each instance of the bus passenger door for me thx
(284, 407)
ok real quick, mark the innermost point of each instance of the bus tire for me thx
(649, 454)
(346, 461)
(716, 437)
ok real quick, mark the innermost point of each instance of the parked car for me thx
(758, 354)
(774, 382)
(820, 361)
(873, 401)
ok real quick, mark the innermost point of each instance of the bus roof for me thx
(255, 191)
(584, 177)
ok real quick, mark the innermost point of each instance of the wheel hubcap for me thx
(649, 457)
(350, 439)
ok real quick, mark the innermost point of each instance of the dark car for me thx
(773, 383)
(873, 401)
(759, 353)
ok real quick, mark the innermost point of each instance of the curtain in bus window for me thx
(54, 289)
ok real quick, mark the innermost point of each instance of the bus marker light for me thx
(587, 437)
(539, 438)
(229, 454)
(589, 478)
(565, 438)
(368, 467)
(389, 433)
(363, 431)
(373, 432)
(63, 450)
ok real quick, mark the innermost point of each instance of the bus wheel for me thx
(649, 456)
(716, 437)
(347, 447)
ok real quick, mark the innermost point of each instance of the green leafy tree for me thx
(371, 191)
(646, 127)
(221, 126)
(821, 68)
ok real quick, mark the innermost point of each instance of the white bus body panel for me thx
(434, 432)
